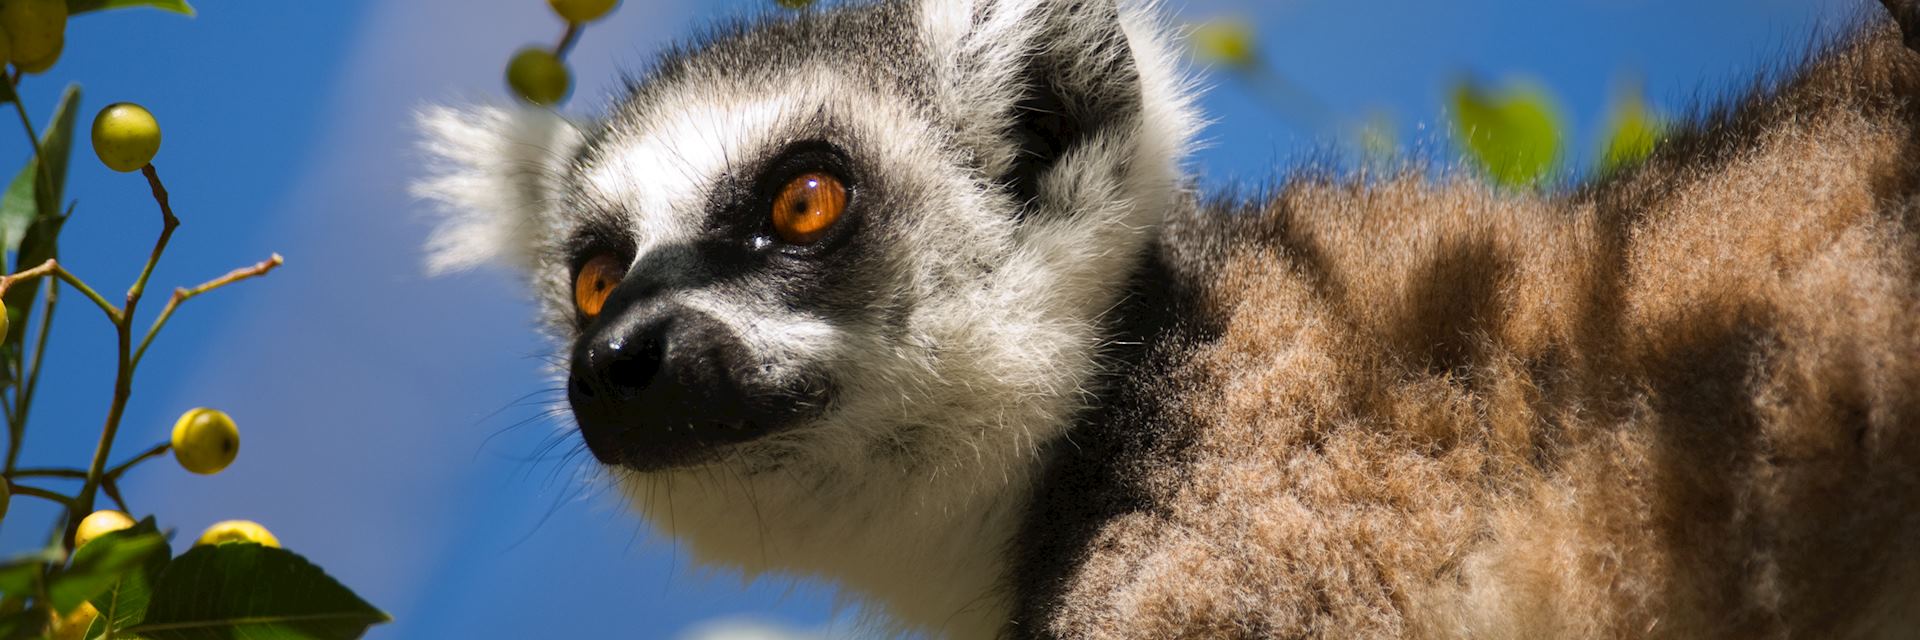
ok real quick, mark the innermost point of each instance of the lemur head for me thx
(851, 248)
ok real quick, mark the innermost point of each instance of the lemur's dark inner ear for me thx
(1078, 80)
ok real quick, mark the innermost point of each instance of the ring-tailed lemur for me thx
(914, 296)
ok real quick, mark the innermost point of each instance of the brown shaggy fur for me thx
(1683, 402)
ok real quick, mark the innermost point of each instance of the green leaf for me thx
(1631, 135)
(30, 220)
(32, 194)
(1514, 136)
(101, 563)
(125, 603)
(19, 573)
(230, 591)
(21, 625)
(77, 7)
(42, 242)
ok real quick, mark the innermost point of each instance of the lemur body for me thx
(1028, 384)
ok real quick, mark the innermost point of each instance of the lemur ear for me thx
(1050, 76)
(493, 174)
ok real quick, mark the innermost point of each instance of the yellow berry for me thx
(43, 63)
(37, 29)
(238, 531)
(5, 323)
(205, 441)
(582, 11)
(539, 76)
(125, 136)
(100, 523)
(73, 626)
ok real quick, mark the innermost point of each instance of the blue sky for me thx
(378, 407)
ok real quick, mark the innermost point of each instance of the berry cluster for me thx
(539, 74)
(104, 573)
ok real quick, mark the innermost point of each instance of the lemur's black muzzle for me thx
(658, 385)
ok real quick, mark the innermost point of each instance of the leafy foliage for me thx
(244, 590)
(1634, 130)
(100, 564)
(124, 603)
(36, 190)
(23, 624)
(126, 583)
(21, 575)
(1514, 134)
(30, 218)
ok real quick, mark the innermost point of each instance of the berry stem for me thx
(44, 205)
(18, 420)
(183, 295)
(120, 469)
(122, 391)
(112, 489)
(43, 199)
(567, 40)
(123, 374)
(24, 490)
(52, 267)
(47, 473)
(168, 221)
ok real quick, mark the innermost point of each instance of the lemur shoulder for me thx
(915, 297)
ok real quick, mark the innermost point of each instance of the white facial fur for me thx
(909, 489)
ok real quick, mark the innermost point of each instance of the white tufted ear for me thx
(1081, 110)
(493, 174)
(1036, 83)
(949, 25)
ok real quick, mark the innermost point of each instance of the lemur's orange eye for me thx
(595, 282)
(807, 207)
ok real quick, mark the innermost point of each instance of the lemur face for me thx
(882, 234)
(752, 243)
(692, 335)
(841, 273)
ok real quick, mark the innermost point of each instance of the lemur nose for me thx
(654, 384)
(627, 363)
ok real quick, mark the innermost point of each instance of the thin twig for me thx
(182, 295)
(32, 384)
(43, 201)
(124, 363)
(567, 40)
(40, 167)
(24, 490)
(113, 491)
(168, 222)
(120, 469)
(47, 473)
(52, 267)
(122, 391)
